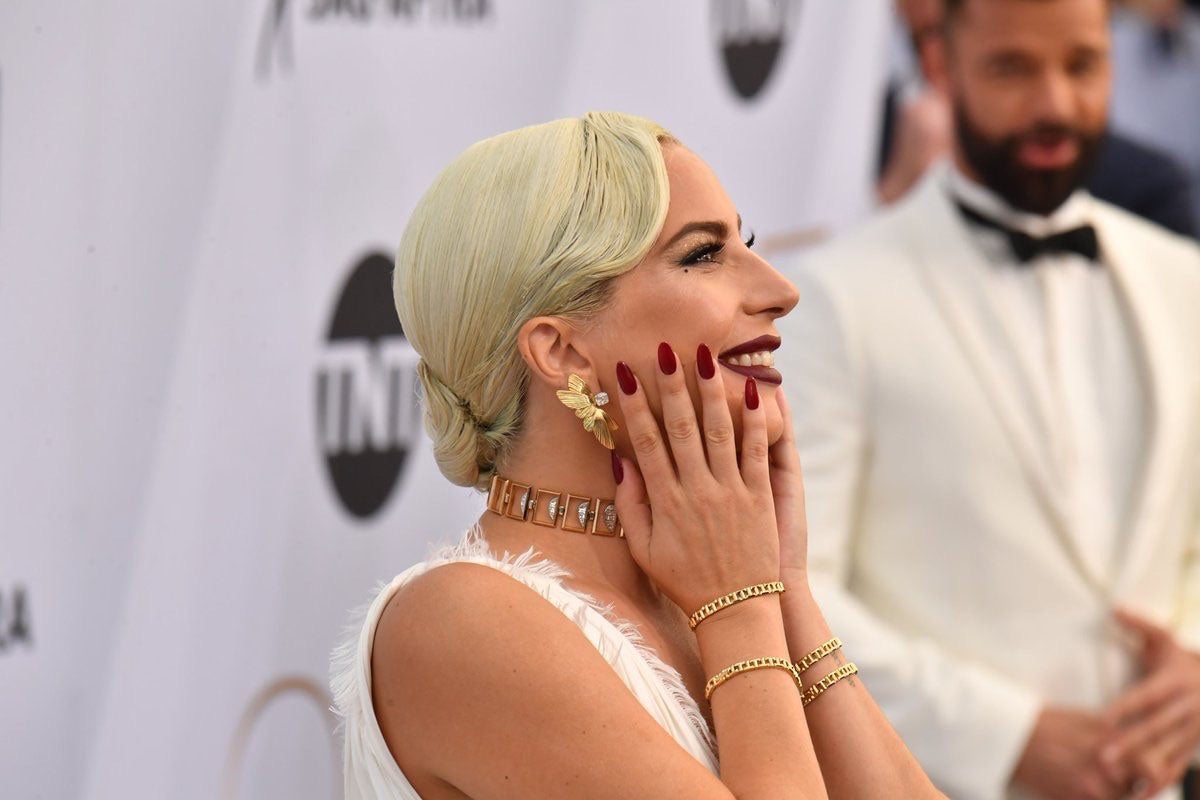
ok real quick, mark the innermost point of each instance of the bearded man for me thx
(996, 389)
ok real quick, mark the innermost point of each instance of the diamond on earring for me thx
(601, 398)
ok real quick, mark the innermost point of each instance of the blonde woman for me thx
(615, 617)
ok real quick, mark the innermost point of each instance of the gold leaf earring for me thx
(586, 406)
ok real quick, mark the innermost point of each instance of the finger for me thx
(633, 507)
(1153, 773)
(719, 439)
(645, 438)
(1149, 732)
(679, 417)
(1141, 699)
(784, 455)
(1094, 786)
(755, 468)
(1175, 748)
(1116, 769)
(1150, 640)
(1177, 765)
(1139, 624)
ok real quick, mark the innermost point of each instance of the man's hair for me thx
(952, 9)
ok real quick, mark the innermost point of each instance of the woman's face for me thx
(699, 284)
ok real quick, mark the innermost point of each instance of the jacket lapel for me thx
(1163, 353)
(953, 269)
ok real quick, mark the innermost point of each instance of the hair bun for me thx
(466, 447)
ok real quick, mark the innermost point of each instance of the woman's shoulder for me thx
(464, 654)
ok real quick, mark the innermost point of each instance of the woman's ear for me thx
(550, 347)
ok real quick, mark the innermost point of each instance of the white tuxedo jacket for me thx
(940, 546)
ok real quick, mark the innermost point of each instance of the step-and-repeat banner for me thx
(211, 444)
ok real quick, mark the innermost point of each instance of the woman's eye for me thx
(702, 255)
(750, 241)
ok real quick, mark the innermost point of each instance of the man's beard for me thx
(1038, 191)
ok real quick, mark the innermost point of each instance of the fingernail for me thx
(618, 470)
(666, 359)
(625, 378)
(751, 394)
(704, 362)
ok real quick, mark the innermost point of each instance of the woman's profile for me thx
(631, 616)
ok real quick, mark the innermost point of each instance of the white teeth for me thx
(763, 358)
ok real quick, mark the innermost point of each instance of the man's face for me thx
(1030, 83)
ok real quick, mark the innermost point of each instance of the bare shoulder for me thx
(481, 684)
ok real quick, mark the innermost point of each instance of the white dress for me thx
(370, 770)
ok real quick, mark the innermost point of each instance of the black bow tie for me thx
(1081, 240)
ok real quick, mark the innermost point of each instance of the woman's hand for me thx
(787, 489)
(698, 523)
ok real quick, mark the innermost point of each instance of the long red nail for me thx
(751, 394)
(625, 378)
(704, 362)
(666, 359)
(618, 469)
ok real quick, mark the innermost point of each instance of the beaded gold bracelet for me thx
(769, 662)
(813, 692)
(774, 587)
(812, 658)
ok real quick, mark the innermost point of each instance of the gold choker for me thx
(551, 508)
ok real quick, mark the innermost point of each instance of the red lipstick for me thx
(735, 358)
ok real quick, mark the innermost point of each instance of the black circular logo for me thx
(368, 412)
(751, 35)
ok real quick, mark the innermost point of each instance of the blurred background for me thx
(211, 444)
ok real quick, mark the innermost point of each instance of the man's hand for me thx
(1156, 722)
(1062, 758)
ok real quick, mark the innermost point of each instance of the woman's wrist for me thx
(749, 629)
(795, 578)
(803, 621)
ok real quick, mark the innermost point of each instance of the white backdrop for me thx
(209, 450)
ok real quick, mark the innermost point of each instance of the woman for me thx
(548, 270)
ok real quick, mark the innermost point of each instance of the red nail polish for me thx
(704, 362)
(666, 359)
(618, 469)
(751, 394)
(625, 378)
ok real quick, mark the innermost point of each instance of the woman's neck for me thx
(568, 461)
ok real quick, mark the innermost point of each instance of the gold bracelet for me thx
(769, 662)
(812, 658)
(813, 692)
(774, 587)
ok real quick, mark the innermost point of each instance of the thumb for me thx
(1139, 624)
(1152, 639)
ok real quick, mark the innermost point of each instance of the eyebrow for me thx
(715, 227)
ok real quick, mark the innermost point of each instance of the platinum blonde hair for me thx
(533, 222)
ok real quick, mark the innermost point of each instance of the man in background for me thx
(1152, 183)
(996, 387)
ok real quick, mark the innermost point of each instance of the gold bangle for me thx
(812, 658)
(774, 587)
(813, 692)
(769, 662)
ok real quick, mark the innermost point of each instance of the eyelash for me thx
(710, 249)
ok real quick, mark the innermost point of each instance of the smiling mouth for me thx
(754, 359)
